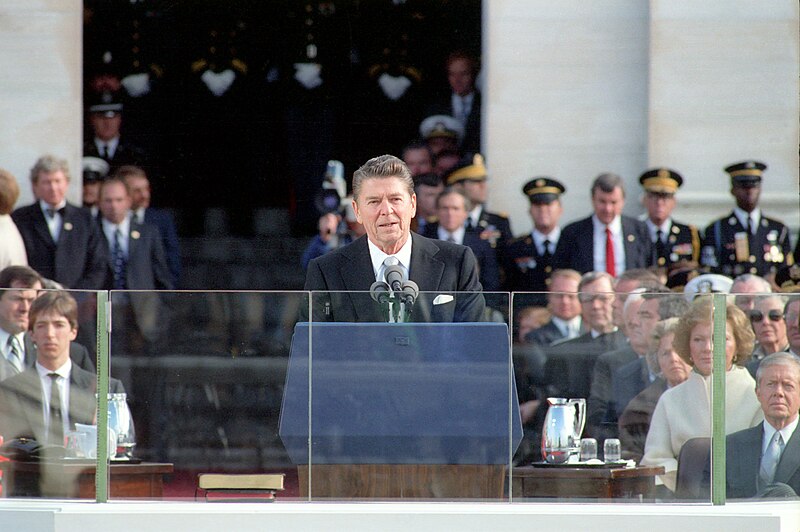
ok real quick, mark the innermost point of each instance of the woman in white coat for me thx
(12, 248)
(684, 412)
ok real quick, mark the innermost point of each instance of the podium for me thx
(421, 410)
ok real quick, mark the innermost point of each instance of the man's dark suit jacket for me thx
(743, 462)
(569, 367)
(21, 402)
(576, 245)
(436, 266)
(80, 258)
(626, 383)
(484, 254)
(125, 154)
(544, 335)
(146, 267)
(169, 239)
(472, 130)
(601, 412)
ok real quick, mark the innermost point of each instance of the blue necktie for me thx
(118, 260)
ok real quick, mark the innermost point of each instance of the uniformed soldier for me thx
(527, 259)
(672, 242)
(470, 178)
(746, 241)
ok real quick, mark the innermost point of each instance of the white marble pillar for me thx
(40, 95)
(573, 89)
(724, 88)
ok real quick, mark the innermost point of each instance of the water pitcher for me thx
(563, 426)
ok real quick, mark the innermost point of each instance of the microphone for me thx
(394, 276)
(379, 291)
(410, 292)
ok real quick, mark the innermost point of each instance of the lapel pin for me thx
(67, 226)
(631, 238)
(135, 235)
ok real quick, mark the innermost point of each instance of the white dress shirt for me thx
(539, 238)
(53, 222)
(600, 244)
(63, 385)
(377, 257)
(742, 216)
(769, 431)
(109, 145)
(457, 236)
(124, 228)
(653, 229)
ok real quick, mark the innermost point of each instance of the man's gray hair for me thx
(763, 284)
(48, 164)
(780, 358)
(607, 182)
(449, 191)
(382, 167)
(590, 277)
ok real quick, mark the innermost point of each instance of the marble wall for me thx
(40, 98)
(578, 88)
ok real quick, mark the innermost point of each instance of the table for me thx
(577, 482)
(75, 479)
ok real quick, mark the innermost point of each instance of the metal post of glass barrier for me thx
(718, 401)
(103, 334)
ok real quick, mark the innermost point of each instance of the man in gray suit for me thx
(46, 400)
(384, 203)
(764, 461)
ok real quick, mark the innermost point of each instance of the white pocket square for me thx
(441, 299)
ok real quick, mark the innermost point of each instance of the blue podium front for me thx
(400, 393)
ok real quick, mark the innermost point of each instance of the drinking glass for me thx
(588, 449)
(611, 450)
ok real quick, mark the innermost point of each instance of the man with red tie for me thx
(606, 241)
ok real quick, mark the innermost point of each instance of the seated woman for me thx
(684, 412)
(766, 317)
(671, 370)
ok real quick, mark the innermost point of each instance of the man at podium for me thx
(392, 274)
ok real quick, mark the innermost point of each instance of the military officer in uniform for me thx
(470, 178)
(746, 241)
(672, 242)
(527, 259)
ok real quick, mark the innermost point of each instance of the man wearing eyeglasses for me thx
(770, 328)
(570, 363)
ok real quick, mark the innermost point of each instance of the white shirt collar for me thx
(458, 234)
(568, 326)
(5, 348)
(112, 145)
(475, 215)
(769, 431)
(615, 225)
(377, 256)
(44, 206)
(63, 371)
(742, 216)
(653, 228)
(539, 238)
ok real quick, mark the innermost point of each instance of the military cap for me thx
(105, 103)
(708, 283)
(441, 126)
(746, 172)
(469, 169)
(94, 169)
(543, 190)
(661, 181)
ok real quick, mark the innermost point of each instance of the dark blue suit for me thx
(484, 254)
(576, 245)
(743, 461)
(343, 277)
(80, 258)
(169, 239)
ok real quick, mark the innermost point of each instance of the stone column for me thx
(40, 96)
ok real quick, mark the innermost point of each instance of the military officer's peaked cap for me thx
(746, 172)
(543, 189)
(661, 181)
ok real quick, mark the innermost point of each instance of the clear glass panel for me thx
(204, 384)
(47, 421)
(603, 364)
(423, 408)
(757, 466)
